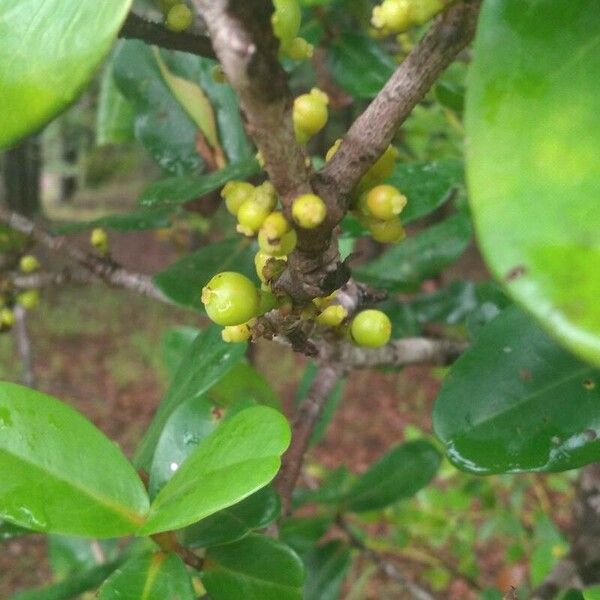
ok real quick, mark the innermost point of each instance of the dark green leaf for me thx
(9, 531)
(241, 456)
(422, 256)
(533, 123)
(255, 568)
(401, 473)
(508, 403)
(115, 115)
(359, 64)
(326, 566)
(208, 359)
(183, 281)
(174, 191)
(234, 523)
(61, 474)
(156, 576)
(50, 49)
(451, 95)
(303, 533)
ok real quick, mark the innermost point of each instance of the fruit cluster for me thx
(397, 16)
(178, 15)
(286, 21)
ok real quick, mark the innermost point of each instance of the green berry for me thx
(230, 299)
(381, 170)
(371, 328)
(99, 240)
(180, 18)
(235, 334)
(332, 316)
(268, 267)
(286, 20)
(310, 114)
(309, 211)
(7, 318)
(251, 215)
(266, 195)
(299, 49)
(29, 263)
(28, 299)
(235, 193)
(275, 225)
(387, 232)
(384, 202)
(393, 15)
(279, 247)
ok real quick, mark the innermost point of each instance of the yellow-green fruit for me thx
(310, 114)
(99, 240)
(29, 264)
(371, 328)
(299, 49)
(266, 195)
(268, 267)
(275, 225)
(251, 215)
(384, 202)
(260, 262)
(29, 299)
(332, 316)
(334, 148)
(393, 15)
(179, 18)
(387, 232)
(309, 211)
(7, 317)
(281, 246)
(230, 298)
(235, 193)
(236, 333)
(286, 20)
(381, 170)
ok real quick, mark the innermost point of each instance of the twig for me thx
(168, 542)
(371, 133)
(23, 343)
(390, 569)
(135, 27)
(308, 415)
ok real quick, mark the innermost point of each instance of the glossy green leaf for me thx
(183, 281)
(156, 576)
(401, 473)
(233, 523)
(115, 115)
(179, 190)
(60, 474)
(359, 64)
(175, 345)
(72, 587)
(426, 185)
(255, 568)
(508, 403)
(533, 121)
(422, 256)
(241, 456)
(50, 49)
(592, 593)
(326, 566)
(208, 359)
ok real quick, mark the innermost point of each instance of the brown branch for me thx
(168, 543)
(385, 566)
(373, 131)
(135, 27)
(308, 415)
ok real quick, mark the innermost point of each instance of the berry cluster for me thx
(286, 21)
(396, 16)
(28, 299)
(178, 15)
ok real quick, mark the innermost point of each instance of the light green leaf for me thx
(592, 593)
(49, 51)
(238, 458)
(533, 125)
(115, 115)
(59, 474)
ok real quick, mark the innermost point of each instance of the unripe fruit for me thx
(268, 267)
(384, 202)
(332, 316)
(28, 299)
(230, 298)
(393, 15)
(387, 232)
(371, 328)
(275, 225)
(260, 262)
(236, 333)
(279, 247)
(266, 195)
(309, 211)
(99, 240)
(325, 301)
(334, 148)
(29, 264)
(286, 20)
(299, 49)
(251, 215)
(7, 318)
(310, 114)
(381, 170)
(235, 193)
(180, 18)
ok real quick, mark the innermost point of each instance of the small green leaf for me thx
(60, 474)
(179, 190)
(50, 50)
(233, 523)
(156, 576)
(533, 124)
(255, 568)
(238, 458)
(326, 567)
(401, 473)
(359, 64)
(183, 281)
(208, 359)
(507, 403)
(422, 256)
